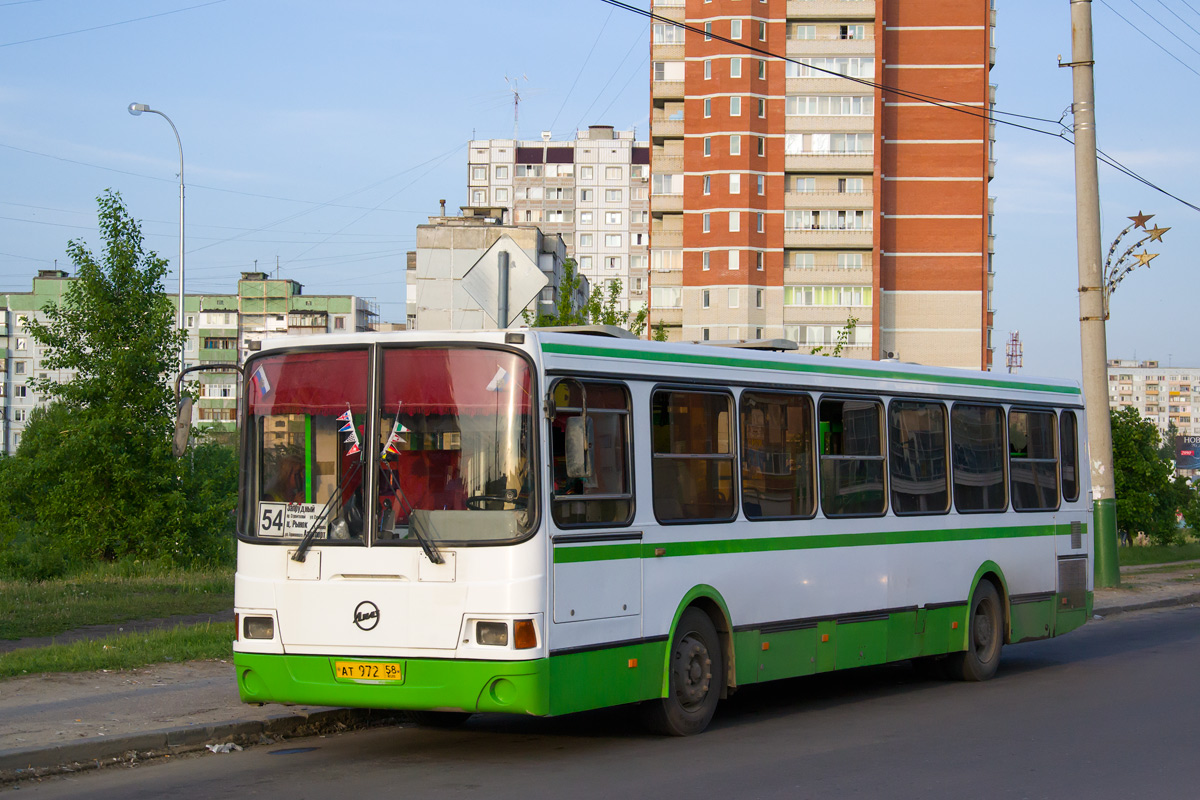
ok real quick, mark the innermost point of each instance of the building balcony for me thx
(829, 199)
(667, 316)
(827, 238)
(229, 356)
(661, 128)
(666, 52)
(831, 9)
(820, 124)
(666, 90)
(830, 162)
(666, 240)
(800, 48)
(674, 10)
(666, 163)
(826, 84)
(661, 203)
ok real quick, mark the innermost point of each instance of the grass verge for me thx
(107, 596)
(123, 651)
(1158, 554)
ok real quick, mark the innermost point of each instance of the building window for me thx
(735, 183)
(666, 33)
(708, 31)
(734, 297)
(707, 223)
(586, 173)
(735, 144)
(479, 173)
(339, 323)
(584, 239)
(707, 107)
(585, 263)
(612, 217)
(612, 240)
(762, 73)
(762, 184)
(806, 184)
(704, 334)
(612, 195)
(612, 173)
(707, 69)
(850, 260)
(612, 262)
(705, 298)
(735, 259)
(762, 31)
(759, 220)
(735, 221)
(707, 145)
(758, 260)
(501, 173)
(705, 259)
(191, 321)
(501, 195)
(22, 343)
(758, 298)
(797, 31)
(735, 106)
(19, 390)
(762, 108)
(735, 29)
(852, 32)
(479, 197)
(735, 67)
(585, 218)
(666, 296)
(850, 185)
(762, 146)
(707, 182)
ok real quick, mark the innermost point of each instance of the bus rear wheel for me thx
(696, 678)
(985, 637)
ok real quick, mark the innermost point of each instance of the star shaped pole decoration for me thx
(1145, 258)
(1141, 219)
(1156, 233)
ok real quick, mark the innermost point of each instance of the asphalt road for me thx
(1109, 711)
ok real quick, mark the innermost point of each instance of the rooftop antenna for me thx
(514, 87)
(1014, 354)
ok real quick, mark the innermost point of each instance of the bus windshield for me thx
(453, 458)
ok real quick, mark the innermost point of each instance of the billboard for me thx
(1186, 449)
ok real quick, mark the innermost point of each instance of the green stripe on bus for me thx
(790, 366)
(611, 552)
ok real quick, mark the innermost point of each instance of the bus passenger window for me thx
(606, 498)
(920, 476)
(977, 444)
(851, 436)
(1069, 450)
(778, 475)
(693, 456)
(1033, 461)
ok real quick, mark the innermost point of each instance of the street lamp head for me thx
(137, 108)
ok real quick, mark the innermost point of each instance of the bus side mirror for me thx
(579, 439)
(183, 427)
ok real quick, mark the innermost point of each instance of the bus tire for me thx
(696, 676)
(985, 637)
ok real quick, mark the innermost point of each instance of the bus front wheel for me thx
(985, 637)
(696, 678)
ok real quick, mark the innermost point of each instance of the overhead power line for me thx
(949, 105)
(108, 25)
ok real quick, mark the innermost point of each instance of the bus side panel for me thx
(607, 677)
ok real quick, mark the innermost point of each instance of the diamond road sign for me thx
(525, 280)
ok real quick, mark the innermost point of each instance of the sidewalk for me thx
(82, 720)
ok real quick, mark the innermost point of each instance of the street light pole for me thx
(137, 109)
(1092, 337)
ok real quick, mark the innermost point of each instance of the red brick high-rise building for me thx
(786, 199)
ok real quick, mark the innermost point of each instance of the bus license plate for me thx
(368, 671)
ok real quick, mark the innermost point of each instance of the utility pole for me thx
(1091, 300)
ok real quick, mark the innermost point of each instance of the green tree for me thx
(1147, 496)
(600, 308)
(94, 468)
(843, 338)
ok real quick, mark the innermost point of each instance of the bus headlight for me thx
(259, 628)
(492, 633)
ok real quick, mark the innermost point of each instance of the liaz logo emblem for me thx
(366, 615)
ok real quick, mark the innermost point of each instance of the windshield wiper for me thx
(431, 549)
(311, 533)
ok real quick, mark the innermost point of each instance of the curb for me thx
(96, 751)
(1165, 602)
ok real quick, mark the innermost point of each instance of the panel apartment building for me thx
(1164, 395)
(221, 329)
(593, 191)
(787, 197)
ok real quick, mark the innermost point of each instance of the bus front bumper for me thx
(514, 687)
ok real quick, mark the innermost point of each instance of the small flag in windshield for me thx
(260, 380)
(499, 381)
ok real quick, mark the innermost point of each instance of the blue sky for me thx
(321, 134)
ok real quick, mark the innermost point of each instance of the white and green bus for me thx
(543, 522)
